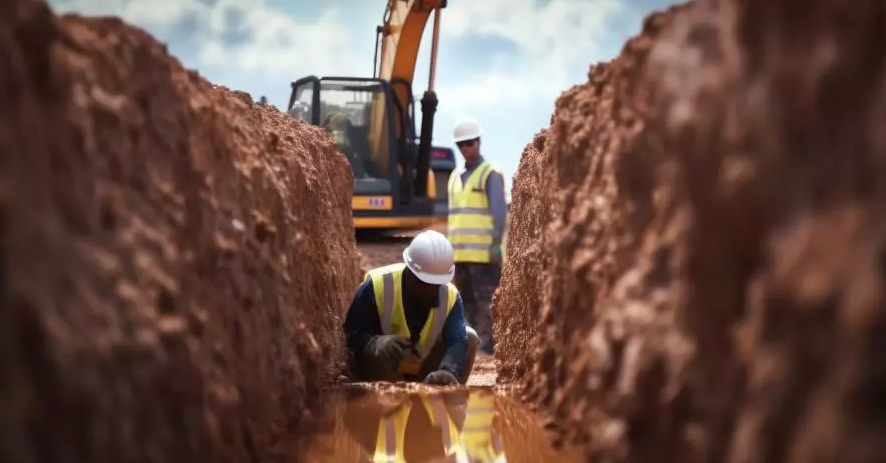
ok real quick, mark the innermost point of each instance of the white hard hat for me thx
(430, 257)
(466, 128)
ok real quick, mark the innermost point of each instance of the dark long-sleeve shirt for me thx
(363, 323)
(495, 195)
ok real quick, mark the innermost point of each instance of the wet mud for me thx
(484, 372)
(465, 426)
(702, 229)
(161, 245)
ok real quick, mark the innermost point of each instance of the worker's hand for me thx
(495, 253)
(390, 348)
(441, 378)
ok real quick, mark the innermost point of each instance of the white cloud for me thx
(495, 89)
(277, 43)
(557, 39)
(556, 36)
(286, 46)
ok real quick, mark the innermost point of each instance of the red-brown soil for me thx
(173, 255)
(374, 254)
(695, 269)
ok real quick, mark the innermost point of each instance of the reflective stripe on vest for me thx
(478, 436)
(436, 408)
(389, 440)
(387, 283)
(470, 223)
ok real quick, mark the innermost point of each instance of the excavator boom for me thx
(401, 32)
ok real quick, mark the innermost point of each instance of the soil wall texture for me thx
(517, 304)
(174, 256)
(712, 279)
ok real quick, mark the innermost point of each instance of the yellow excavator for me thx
(400, 179)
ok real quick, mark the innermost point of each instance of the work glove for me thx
(495, 253)
(441, 378)
(389, 348)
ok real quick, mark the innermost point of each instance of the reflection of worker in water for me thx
(406, 321)
(423, 428)
(341, 128)
(413, 429)
(478, 436)
(476, 223)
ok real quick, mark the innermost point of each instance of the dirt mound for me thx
(517, 307)
(173, 254)
(714, 286)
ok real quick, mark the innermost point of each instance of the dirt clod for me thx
(161, 245)
(695, 263)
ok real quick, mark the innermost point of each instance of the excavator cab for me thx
(395, 185)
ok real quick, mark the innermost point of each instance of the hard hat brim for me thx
(429, 278)
(466, 138)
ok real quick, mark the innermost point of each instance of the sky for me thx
(504, 62)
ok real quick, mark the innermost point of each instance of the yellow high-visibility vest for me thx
(436, 408)
(470, 224)
(389, 439)
(478, 436)
(387, 283)
(389, 442)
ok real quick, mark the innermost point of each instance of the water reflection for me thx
(460, 427)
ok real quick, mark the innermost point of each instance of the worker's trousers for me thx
(477, 283)
(374, 371)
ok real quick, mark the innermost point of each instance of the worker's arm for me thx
(362, 321)
(455, 338)
(495, 194)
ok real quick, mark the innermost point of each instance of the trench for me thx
(369, 423)
(694, 269)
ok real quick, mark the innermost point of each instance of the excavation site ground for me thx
(694, 268)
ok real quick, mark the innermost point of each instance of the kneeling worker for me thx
(407, 321)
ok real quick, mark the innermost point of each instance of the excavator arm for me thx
(401, 33)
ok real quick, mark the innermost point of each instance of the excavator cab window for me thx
(355, 112)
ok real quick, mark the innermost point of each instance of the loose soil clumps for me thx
(713, 285)
(517, 306)
(174, 256)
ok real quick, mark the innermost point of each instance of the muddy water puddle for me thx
(462, 426)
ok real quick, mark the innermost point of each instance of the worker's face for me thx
(419, 289)
(470, 149)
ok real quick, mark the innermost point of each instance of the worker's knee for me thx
(473, 339)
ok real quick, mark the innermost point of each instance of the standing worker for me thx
(476, 225)
(407, 322)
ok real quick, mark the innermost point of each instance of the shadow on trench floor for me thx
(419, 426)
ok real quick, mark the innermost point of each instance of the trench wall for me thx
(696, 263)
(174, 256)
